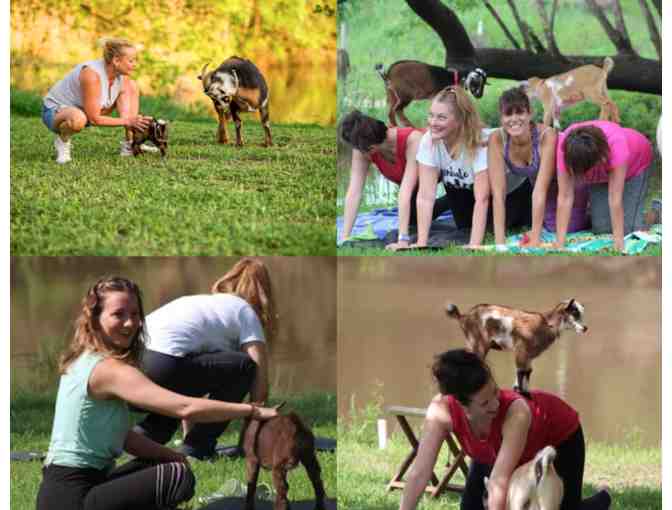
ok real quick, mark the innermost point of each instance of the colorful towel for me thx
(582, 242)
(376, 224)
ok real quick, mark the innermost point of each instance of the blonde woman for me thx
(211, 344)
(454, 151)
(90, 92)
(99, 380)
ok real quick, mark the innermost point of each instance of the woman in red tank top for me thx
(500, 430)
(392, 150)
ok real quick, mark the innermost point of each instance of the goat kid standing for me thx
(527, 334)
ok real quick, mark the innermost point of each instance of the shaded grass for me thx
(31, 416)
(632, 472)
(204, 199)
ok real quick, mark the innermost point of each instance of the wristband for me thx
(404, 237)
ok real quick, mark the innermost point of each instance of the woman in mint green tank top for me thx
(99, 378)
(89, 93)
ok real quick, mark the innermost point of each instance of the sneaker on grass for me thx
(62, 150)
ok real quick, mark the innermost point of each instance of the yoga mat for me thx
(260, 504)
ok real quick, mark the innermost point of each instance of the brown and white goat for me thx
(535, 485)
(280, 444)
(237, 86)
(584, 83)
(408, 80)
(527, 334)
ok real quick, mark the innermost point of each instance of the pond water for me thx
(391, 322)
(46, 292)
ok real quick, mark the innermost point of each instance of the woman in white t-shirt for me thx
(211, 344)
(88, 95)
(453, 151)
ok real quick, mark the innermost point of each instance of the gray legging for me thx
(634, 193)
(225, 376)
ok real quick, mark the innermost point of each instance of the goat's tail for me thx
(452, 311)
(381, 72)
(607, 65)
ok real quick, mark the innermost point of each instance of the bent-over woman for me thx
(212, 344)
(454, 151)
(615, 163)
(500, 430)
(392, 151)
(526, 149)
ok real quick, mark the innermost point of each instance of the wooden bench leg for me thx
(397, 480)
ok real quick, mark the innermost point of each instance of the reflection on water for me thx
(46, 291)
(391, 322)
(300, 93)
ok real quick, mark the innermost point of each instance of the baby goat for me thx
(237, 86)
(408, 80)
(535, 485)
(527, 334)
(280, 444)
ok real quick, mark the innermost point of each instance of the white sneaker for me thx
(126, 149)
(62, 150)
(148, 148)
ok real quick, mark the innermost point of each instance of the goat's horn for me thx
(235, 75)
(202, 75)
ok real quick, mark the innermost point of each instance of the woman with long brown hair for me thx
(99, 380)
(212, 344)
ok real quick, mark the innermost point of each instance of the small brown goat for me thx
(279, 444)
(408, 80)
(527, 334)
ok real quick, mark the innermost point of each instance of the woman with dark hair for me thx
(211, 344)
(615, 163)
(392, 150)
(523, 149)
(500, 430)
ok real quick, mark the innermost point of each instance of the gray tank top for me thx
(68, 91)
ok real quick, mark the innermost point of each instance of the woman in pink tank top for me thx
(615, 163)
(499, 430)
(392, 150)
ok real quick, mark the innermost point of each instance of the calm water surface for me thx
(391, 321)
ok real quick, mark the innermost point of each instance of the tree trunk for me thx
(653, 29)
(630, 72)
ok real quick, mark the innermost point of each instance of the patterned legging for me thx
(137, 484)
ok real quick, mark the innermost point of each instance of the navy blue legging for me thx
(136, 485)
(569, 463)
(225, 376)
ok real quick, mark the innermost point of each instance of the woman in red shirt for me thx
(392, 150)
(500, 430)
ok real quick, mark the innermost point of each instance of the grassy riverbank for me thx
(632, 471)
(203, 199)
(30, 428)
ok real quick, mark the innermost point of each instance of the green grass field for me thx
(577, 32)
(204, 199)
(30, 428)
(631, 471)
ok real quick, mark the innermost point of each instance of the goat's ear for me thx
(538, 470)
(570, 304)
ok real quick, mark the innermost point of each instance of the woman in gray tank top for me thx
(90, 92)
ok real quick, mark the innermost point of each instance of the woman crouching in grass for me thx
(99, 378)
(500, 430)
(90, 92)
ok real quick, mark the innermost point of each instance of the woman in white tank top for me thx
(89, 94)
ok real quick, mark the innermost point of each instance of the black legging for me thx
(225, 376)
(137, 485)
(569, 462)
(518, 206)
(441, 205)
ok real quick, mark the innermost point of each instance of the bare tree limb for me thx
(659, 7)
(548, 32)
(653, 29)
(554, 9)
(536, 42)
(623, 46)
(495, 15)
(620, 21)
(522, 26)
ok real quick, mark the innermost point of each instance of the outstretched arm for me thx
(259, 354)
(615, 189)
(541, 185)
(497, 178)
(425, 201)
(358, 172)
